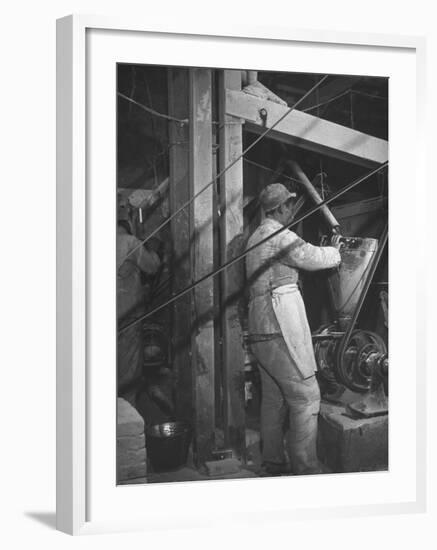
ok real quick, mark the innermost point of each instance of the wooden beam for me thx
(307, 131)
(179, 194)
(201, 171)
(231, 238)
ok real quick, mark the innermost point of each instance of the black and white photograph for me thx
(252, 273)
(218, 295)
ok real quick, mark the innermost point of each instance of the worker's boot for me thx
(270, 469)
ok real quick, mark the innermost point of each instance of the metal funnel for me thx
(347, 282)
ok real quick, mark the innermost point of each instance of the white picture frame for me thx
(75, 397)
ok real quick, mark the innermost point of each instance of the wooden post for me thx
(179, 194)
(201, 173)
(232, 243)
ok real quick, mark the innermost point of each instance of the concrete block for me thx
(223, 467)
(131, 464)
(131, 443)
(129, 421)
(352, 445)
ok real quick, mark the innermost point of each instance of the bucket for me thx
(167, 445)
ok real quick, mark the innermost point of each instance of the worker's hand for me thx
(324, 241)
(337, 241)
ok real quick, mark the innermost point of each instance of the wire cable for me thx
(221, 268)
(180, 121)
(318, 105)
(230, 165)
(285, 176)
(342, 94)
(371, 96)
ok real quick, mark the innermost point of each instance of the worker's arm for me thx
(295, 252)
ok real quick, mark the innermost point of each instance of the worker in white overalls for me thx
(133, 260)
(280, 336)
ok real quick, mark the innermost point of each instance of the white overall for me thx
(291, 316)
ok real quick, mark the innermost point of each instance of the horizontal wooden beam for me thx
(307, 131)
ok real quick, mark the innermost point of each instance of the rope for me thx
(244, 254)
(222, 172)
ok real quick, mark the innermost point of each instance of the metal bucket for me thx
(167, 445)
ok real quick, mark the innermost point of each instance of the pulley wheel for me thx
(352, 371)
